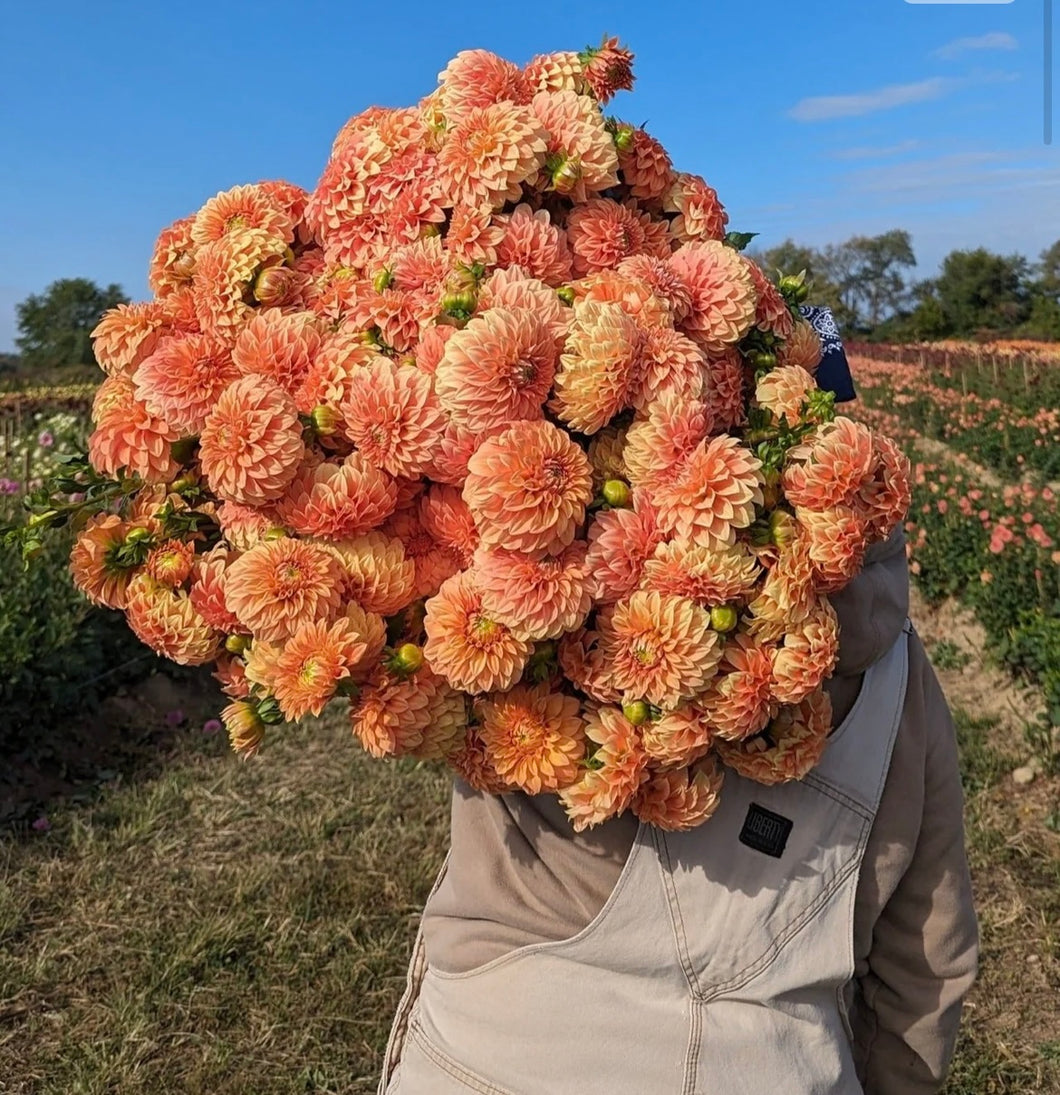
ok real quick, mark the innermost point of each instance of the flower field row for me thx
(995, 432)
(991, 544)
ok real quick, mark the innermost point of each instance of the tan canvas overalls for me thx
(720, 965)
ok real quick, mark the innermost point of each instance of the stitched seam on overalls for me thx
(676, 919)
(748, 973)
(825, 787)
(453, 1068)
(695, 1045)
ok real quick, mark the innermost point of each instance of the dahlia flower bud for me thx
(723, 618)
(637, 712)
(236, 644)
(274, 286)
(763, 359)
(244, 725)
(326, 420)
(183, 450)
(565, 173)
(275, 533)
(185, 483)
(623, 138)
(794, 287)
(383, 280)
(407, 658)
(783, 527)
(616, 493)
(566, 294)
(182, 268)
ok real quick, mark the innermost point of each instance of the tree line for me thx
(866, 281)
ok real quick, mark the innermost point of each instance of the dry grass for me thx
(242, 929)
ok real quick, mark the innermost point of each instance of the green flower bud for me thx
(407, 658)
(724, 618)
(383, 280)
(566, 294)
(236, 644)
(325, 420)
(616, 493)
(636, 712)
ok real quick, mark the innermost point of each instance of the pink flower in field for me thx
(914, 567)
(986, 577)
(174, 717)
(212, 726)
(46, 439)
(942, 506)
(41, 824)
(1027, 518)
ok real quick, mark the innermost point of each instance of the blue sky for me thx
(813, 120)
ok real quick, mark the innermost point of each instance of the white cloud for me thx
(994, 40)
(876, 153)
(821, 108)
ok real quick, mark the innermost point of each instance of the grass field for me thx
(208, 926)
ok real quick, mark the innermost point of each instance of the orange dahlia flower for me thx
(603, 232)
(582, 662)
(807, 654)
(714, 494)
(620, 543)
(789, 748)
(678, 737)
(477, 78)
(802, 347)
(378, 576)
(723, 293)
(529, 239)
(392, 712)
(837, 540)
(168, 623)
(560, 71)
(280, 584)
(608, 68)
(245, 727)
(784, 391)
(680, 798)
(170, 563)
(536, 599)
(598, 368)
(327, 380)
(669, 362)
(660, 649)
(832, 467)
(244, 526)
(431, 347)
(93, 561)
(528, 488)
(787, 593)
(710, 576)
(207, 593)
(659, 443)
(737, 703)
(772, 313)
(454, 451)
(182, 380)
(700, 216)
(498, 369)
(173, 258)
(230, 674)
(646, 167)
(578, 144)
(241, 207)
(663, 281)
(724, 389)
(606, 456)
(126, 334)
(885, 497)
(446, 730)
(465, 645)
(447, 517)
(472, 236)
(393, 417)
(128, 436)
(251, 443)
(475, 766)
(433, 563)
(515, 289)
(279, 346)
(490, 152)
(313, 661)
(534, 737)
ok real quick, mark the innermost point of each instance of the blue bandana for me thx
(833, 374)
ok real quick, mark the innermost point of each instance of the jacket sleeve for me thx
(924, 951)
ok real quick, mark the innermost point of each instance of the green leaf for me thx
(738, 240)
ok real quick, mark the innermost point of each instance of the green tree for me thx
(868, 273)
(980, 291)
(1049, 272)
(790, 257)
(55, 326)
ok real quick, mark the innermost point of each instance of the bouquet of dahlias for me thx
(497, 434)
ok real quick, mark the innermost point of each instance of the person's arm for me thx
(924, 950)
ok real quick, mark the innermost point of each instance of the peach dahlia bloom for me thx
(837, 539)
(496, 370)
(618, 767)
(608, 68)
(606, 456)
(182, 379)
(663, 281)
(724, 389)
(528, 488)
(536, 599)
(446, 730)
(478, 78)
(280, 584)
(278, 345)
(783, 391)
(128, 436)
(515, 289)
(772, 313)
(560, 71)
(207, 593)
(392, 712)
(830, 468)
(680, 798)
(603, 232)
(669, 362)
(433, 563)
(446, 516)
(737, 703)
(646, 167)
(620, 543)
(244, 726)
(251, 443)
(474, 765)
(314, 660)
(173, 258)
(490, 152)
(802, 347)
(534, 737)
(723, 293)
(126, 334)
(709, 576)
(241, 207)
(393, 417)
(677, 737)
(473, 236)
(713, 495)
(806, 655)
(660, 649)
(598, 367)
(378, 576)
(885, 496)
(93, 564)
(787, 594)
(700, 216)
(454, 451)
(788, 749)
(530, 239)
(244, 526)
(659, 443)
(224, 275)
(465, 645)
(170, 563)
(582, 662)
(578, 144)
(167, 622)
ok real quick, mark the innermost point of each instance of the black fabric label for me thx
(765, 831)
